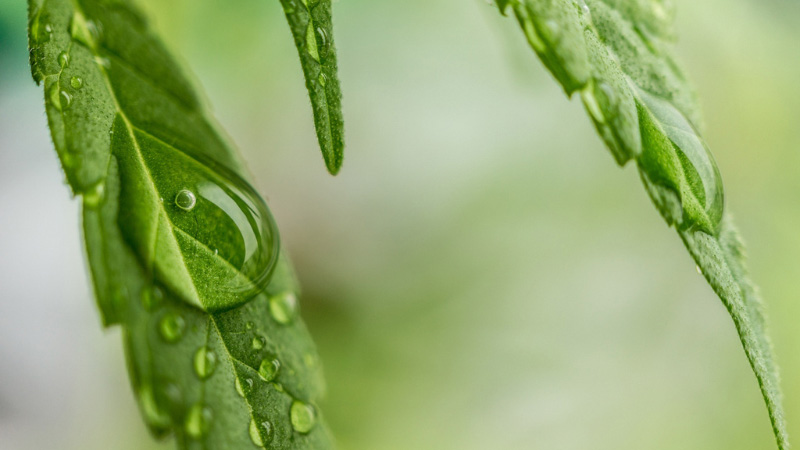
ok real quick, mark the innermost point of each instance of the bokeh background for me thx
(481, 275)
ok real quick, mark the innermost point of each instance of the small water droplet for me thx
(303, 417)
(171, 328)
(269, 368)
(66, 100)
(76, 82)
(258, 342)
(698, 269)
(249, 325)
(63, 59)
(152, 298)
(260, 433)
(185, 200)
(54, 95)
(205, 361)
(94, 195)
(198, 421)
(283, 307)
(323, 42)
(323, 79)
(311, 41)
(243, 389)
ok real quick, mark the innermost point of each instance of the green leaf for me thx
(311, 25)
(184, 253)
(617, 55)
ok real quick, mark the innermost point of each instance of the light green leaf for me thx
(183, 251)
(617, 55)
(311, 25)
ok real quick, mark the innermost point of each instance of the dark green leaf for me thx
(183, 251)
(616, 54)
(312, 29)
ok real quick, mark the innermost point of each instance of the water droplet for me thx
(229, 229)
(259, 433)
(205, 361)
(683, 165)
(154, 416)
(63, 59)
(303, 417)
(243, 389)
(323, 42)
(186, 200)
(249, 325)
(323, 79)
(94, 195)
(698, 269)
(152, 298)
(311, 41)
(258, 342)
(268, 369)
(584, 7)
(66, 100)
(102, 62)
(83, 31)
(171, 328)
(198, 421)
(283, 307)
(76, 82)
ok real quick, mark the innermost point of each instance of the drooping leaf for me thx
(617, 55)
(183, 252)
(311, 25)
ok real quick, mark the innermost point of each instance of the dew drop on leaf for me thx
(185, 200)
(154, 416)
(243, 389)
(76, 82)
(198, 421)
(323, 80)
(303, 417)
(283, 307)
(94, 195)
(63, 59)
(65, 100)
(311, 41)
(171, 328)
(205, 361)
(268, 369)
(259, 431)
(323, 42)
(258, 342)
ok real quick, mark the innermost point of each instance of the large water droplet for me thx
(691, 173)
(303, 417)
(219, 231)
(65, 99)
(171, 328)
(269, 368)
(283, 307)
(323, 42)
(260, 433)
(205, 361)
(198, 421)
(185, 200)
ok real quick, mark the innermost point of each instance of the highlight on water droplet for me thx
(76, 82)
(205, 362)
(198, 421)
(171, 328)
(260, 433)
(185, 200)
(303, 417)
(269, 368)
(283, 307)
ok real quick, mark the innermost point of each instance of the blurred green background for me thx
(481, 275)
